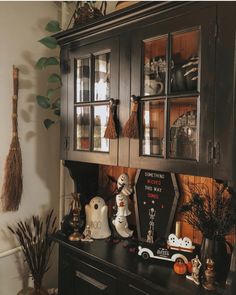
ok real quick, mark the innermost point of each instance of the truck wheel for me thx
(145, 255)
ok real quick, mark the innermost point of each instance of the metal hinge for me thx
(67, 143)
(214, 152)
(217, 153)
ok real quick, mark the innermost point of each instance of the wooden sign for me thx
(156, 197)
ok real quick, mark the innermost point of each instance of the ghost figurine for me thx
(122, 197)
(120, 222)
(97, 218)
(121, 225)
(173, 241)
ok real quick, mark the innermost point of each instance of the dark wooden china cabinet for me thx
(178, 59)
(171, 56)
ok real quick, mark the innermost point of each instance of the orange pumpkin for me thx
(190, 267)
(180, 267)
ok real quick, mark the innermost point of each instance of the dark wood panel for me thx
(224, 165)
(64, 56)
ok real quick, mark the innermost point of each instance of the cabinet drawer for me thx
(136, 291)
(90, 280)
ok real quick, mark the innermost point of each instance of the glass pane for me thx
(155, 66)
(82, 80)
(102, 77)
(183, 128)
(83, 128)
(185, 58)
(153, 127)
(100, 123)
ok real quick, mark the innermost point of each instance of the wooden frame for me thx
(168, 178)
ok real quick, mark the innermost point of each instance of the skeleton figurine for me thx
(209, 276)
(196, 265)
(150, 235)
(87, 235)
(120, 222)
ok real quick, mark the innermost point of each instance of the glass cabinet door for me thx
(92, 67)
(168, 75)
(170, 65)
(92, 84)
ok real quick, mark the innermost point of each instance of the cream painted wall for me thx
(21, 25)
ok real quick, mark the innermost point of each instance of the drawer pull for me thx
(90, 280)
(137, 290)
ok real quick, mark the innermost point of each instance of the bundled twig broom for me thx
(33, 237)
(12, 186)
(131, 128)
(111, 130)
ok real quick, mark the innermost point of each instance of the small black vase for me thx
(216, 249)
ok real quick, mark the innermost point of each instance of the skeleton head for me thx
(123, 180)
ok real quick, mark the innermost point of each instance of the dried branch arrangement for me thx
(33, 237)
(214, 216)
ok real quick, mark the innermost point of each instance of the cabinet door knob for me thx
(114, 102)
(134, 98)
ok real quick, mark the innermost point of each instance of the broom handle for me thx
(14, 100)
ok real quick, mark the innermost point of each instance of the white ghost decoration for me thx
(187, 243)
(122, 205)
(97, 218)
(123, 182)
(121, 225)
(174, 241)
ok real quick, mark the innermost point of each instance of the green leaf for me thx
(56, 104)
(53, 26)
(50, 92)
(51, 61)
(54, 78)
(57, 112)
(48, 122)
(41, 63)
(49, 42)
(43, 101)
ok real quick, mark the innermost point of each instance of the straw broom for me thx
(131, 128)
(12, 186)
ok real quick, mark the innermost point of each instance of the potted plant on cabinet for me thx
(215, 217)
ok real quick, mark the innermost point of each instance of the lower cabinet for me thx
(79, 275)
(132, 290)
(79, 278)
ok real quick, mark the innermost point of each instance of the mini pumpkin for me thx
(190, 267)
(180, 267)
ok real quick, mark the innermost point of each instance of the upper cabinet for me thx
(178, 59)
(173, 74)
(92, 82)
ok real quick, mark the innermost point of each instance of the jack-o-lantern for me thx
(180, 267)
